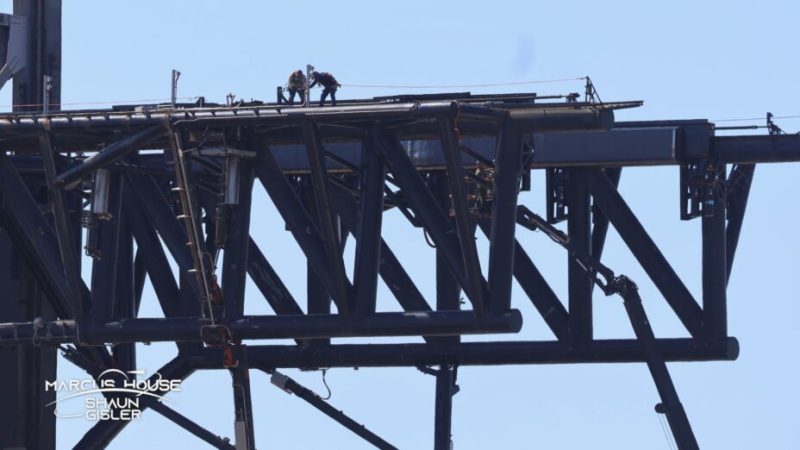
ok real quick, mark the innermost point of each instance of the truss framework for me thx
(453, 165)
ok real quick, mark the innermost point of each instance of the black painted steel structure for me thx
(27, 424)
(453, 164)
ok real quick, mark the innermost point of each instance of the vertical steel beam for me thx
(106, 235)
(448, 289)
(443, 413)
(44, 55)
(69, 258)
(580, 279)
(394, 275)
(235, 260)
(448, 293)
(33, 238)
(139, 277)
(715, 267)
(538, 290)
(209, 204)
(508, 164)
(319, 183)
(25, 422)
(319, 302)
(464, 226)
(243, 408)
(368, 229)
(125, 303)
(318, 298)
(258, 268)
(44, 58)
(37, 243)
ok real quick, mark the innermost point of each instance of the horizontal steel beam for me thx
(86, 132)
(525, 116)
(471, 354)
(563, 136)
(624, 145)
(758, 149)
(659, 143)
(190, 329)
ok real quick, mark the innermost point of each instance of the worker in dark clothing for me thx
(297, 85)
(329, 86)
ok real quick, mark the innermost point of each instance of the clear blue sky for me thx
(686, 59)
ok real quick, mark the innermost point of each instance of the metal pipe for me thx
(232, 171)
(100, 192)
(174, 87)
(244, 433)
(47, 88)
(561, 119)
(72, 177)
(473, 353)
(191, 329)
